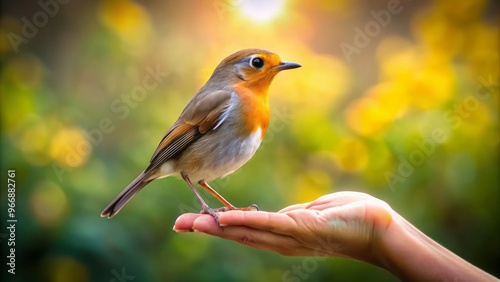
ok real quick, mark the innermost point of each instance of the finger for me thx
(372, 210)
(357, 221)
(260, 239)
(184, 223)
(338, 199)
(294, 207)
(275, 222)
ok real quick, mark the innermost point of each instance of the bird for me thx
(218, 131)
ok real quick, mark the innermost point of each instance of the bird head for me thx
(251, 68)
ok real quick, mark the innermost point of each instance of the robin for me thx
(219, 130)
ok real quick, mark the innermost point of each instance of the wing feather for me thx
(198, 117)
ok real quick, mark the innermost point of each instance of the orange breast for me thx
(254, 108)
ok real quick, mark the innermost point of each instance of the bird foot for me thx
(208, 210)
(213, 212)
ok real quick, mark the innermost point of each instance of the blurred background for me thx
(399, 99)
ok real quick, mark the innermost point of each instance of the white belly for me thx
(230, 156)
(208, 159)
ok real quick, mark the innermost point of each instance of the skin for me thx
(344, 224)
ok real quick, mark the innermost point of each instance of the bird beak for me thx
(287, 66)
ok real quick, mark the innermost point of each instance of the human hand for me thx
(346, 224)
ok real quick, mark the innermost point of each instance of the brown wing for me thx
(199, 116)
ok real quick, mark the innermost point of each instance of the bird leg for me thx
(227, 205)
(204, 207)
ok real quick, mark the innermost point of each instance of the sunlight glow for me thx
(260, 10)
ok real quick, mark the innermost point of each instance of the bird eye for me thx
(256, 63)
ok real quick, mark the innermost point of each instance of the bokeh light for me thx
(260, 11)
(129, 21)
(70, 147)
(48, 204)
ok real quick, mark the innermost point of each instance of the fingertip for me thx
(184, 223)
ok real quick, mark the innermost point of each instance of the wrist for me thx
(397, 247)
(412, 256)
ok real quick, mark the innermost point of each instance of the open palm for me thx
(346, 224)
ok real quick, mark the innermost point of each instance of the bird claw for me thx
(213, 212)
(252, 207)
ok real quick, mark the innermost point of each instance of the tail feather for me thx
(117, 204)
